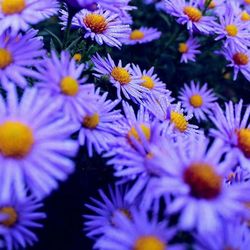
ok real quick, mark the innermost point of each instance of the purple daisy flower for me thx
(150, 80)
(98, 130)
(102, 26)
(131, 159)
(239, 60)
(80, 4)
(233, 127)
(198, 100)
(171, 115)
(34, 144)
(195, 179)
(231, 28)
(230, 236)
(17, 55)
(190, 14)
(105, 209)
(62, 79)
(17, 218)
(18, 15)
(120, 77)
(138, 233)
(142, 35)
(189, 50)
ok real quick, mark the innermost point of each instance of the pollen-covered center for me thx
(240, 58)
(10, 7)
(11, 216)
(77, 57)
(97, 23)
(183, 48)
(196, 101)
(179, 121)
(245, 16)
(149, 242)
(244, 141)
(193, 13)
(91, 121)
(5, 58)
(147, 82)
(16, 139)
(136, 35)
(231, 30)
(247, 1)
(203, 181)
(69, 86)
(121, 75)
(134, 133)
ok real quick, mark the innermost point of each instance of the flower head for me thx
(142, 35)
(62, 79)
(19, 15)
(198, 100)
(34, 144)
(17, 218)
(189, 49)
(121, 77)
(190, 14)
(17, 55)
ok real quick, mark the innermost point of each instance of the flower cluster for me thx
(180, 160)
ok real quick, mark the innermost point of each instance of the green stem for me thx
(67, 30)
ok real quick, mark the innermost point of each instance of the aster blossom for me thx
(98, 130)
(195, 174)
(233, 127)
(235, 32)
(19, 15)
(120, 76)
(34, 144)
(239, 59)
(138, 233)
(103, 210)
(17, 55)
(142, 35)
(61, 77)
(101, 26)
(190, 14)
(198, 99)
(17, 219)
(189, 50)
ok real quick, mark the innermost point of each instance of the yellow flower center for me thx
(121, 75)
(193, 13)
(136, 35)
(134, 133)
(77, 57)
(149, 243)
(69, 86)
(91, 121)
(12, 216)
(16, 139)
(183, 48)
(5, 58)
(245, 16)
(10, 7)
(203, 181)
(179, 121)
(148, 82)
(196, 101)
(247, 1)
(212, 5)
(232, 30)
(97, 23)
(241, 58)
(244, 141)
